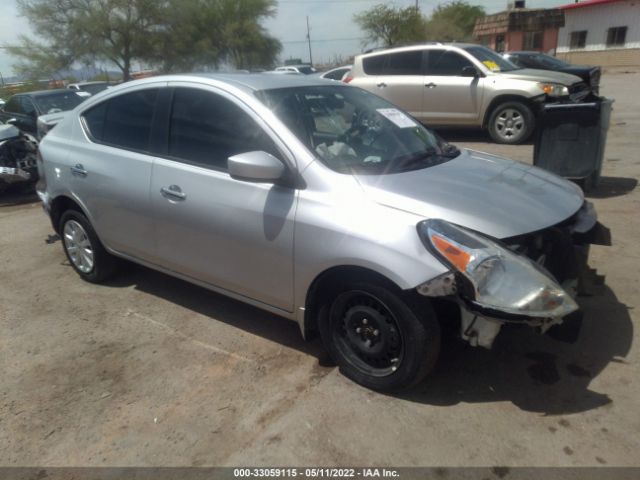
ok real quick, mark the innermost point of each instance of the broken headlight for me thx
(501, 279)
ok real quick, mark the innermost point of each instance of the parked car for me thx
(90, 87)
(2, 102)
(18, 165)
(23, 109)
(464, 85)
(589, 74)
(303, 69)
(319, 202)
(337, 73)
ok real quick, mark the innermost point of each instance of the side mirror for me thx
(469, 71)
(258, 166)
(11, 121)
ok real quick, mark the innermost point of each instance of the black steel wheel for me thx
(377, 339)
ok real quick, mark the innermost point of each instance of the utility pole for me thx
(309, 40)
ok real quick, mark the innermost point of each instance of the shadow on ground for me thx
(613, 187)
(218, 307)
(534, 372)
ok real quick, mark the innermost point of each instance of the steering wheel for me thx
(363, 122)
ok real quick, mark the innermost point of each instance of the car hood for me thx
(489, 194)
(542, 76)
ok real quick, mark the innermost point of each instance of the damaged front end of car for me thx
(18, 158)
(529, 279)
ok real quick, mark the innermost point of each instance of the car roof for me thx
(417, 46)
(249, 82)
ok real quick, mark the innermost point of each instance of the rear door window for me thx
(374, 65)
(404, 63)
(123, 121)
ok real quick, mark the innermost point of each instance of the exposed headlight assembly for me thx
(500, 279)
(554, 89)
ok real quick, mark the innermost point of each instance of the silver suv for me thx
(464, 85)
(319, 202)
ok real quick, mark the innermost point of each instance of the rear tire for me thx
(84, 250)
(376, 338)
(511, 123)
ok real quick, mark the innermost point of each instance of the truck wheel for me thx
(511, 123)
(83, 248)
(376, 339)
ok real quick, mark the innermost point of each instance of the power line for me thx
(325, 40)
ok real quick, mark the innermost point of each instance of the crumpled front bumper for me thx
(561, 249)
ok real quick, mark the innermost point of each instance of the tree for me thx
(453, 21)
(392, 25)
(173, 34)
(70, 31)
(207, 33)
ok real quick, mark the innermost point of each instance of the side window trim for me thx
(164, 122)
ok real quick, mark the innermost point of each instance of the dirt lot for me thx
(149, 370)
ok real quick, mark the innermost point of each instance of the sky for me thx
(333, 32)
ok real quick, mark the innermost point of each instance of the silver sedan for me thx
(322, 203)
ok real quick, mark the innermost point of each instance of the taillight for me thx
(347, 79)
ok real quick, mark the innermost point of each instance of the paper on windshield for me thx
(491, 65)
(397, 117)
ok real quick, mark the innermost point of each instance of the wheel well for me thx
(503, 99)
(322, 286)
(59, 205)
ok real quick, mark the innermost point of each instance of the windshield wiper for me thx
(428, 155)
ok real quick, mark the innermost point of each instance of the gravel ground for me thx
(150, 371)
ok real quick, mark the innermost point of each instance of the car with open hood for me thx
(321, 203)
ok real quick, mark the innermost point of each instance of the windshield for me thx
(548, 60)
(353, 131)
(491, 59)
(58, 102)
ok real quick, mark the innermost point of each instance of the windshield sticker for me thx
(491, 65)
(397, 117)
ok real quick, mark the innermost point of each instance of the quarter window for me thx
(446, 63)
(578, 39)
(616, 36)
(207, 129)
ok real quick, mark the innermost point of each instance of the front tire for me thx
(511, 123)
(84, 250)
(377, 339)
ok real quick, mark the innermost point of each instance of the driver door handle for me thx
(173, 192)
(381, 85)
(79, 170)
(430, 85)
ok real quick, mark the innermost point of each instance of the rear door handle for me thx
(173, 192)
(79, 170)
(381, 85)
(430, 85)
